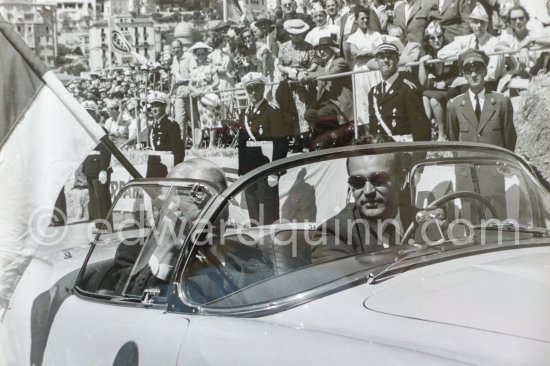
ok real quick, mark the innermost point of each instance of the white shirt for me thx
(391, 80)
(481, 97)
(408, 6)
(325, 30)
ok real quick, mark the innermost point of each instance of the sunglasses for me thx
(201, 53)
(386, 55)
(517, 19)
(287, 5)
(377, 180)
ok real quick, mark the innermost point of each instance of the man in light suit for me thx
(480, 39)
(478, 115)
(454, 18)
(334, 97)
(413, 16)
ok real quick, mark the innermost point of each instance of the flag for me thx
(120, 44)
(233, 11)
(45, 134)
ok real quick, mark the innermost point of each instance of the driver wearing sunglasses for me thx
(372, 221)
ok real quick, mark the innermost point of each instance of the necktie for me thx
(478, 108)
(477, 44)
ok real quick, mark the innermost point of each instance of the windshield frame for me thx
(181, 302)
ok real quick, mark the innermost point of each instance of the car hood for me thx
(488, 308)
(502, 295)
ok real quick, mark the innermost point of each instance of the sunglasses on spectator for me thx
(377, 180)
(201, 53)
(517, 19)
(289, 5)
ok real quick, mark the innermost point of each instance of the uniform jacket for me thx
(266, 124)
(165, 135)
(401, 110)
(418, 19)
(453, 16)
(495, 127)
(95, 163)
(338, 90)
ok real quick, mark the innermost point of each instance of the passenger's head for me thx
(374, 181)
(202, 169)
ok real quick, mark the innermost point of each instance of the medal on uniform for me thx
(394, 122)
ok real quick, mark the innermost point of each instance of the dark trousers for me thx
(100, 197)
(262, 202)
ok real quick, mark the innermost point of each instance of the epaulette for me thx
(458, 96)
(410, 84)
(273, 105)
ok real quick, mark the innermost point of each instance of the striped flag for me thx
(45, 134)
(120, 44)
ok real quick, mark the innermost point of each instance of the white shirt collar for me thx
(391, 80)
(481, 96)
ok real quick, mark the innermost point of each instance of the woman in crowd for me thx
(262, 56)
(436, 79)
(362, 44)
(322, 27)
(221, 59)
(204, 78)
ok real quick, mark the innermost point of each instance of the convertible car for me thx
(419, 253)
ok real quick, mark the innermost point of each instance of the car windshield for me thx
(327, 221)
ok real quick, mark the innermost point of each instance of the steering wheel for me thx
(449, 197)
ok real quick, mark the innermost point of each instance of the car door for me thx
(117, 312)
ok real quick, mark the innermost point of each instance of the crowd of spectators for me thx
(292, 49)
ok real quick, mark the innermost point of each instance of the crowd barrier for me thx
(238, 99)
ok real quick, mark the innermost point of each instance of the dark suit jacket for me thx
(267, 124)
(419, 16)
(454, 18)
(402, 103)
(93, 164)
(166, 136)
(496, 125)
(337, 91)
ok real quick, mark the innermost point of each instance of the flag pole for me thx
(86, 121)
(225, 10)
(110, 30)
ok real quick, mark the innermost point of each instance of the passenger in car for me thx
(162, 260)
(375, 219)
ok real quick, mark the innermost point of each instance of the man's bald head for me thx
(202, 169)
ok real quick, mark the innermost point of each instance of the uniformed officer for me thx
(479, 115)
(262, 138)
(97, 168)
(396, 112)
(165, 135)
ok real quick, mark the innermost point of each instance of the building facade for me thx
(37, 25)
(139, 32)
